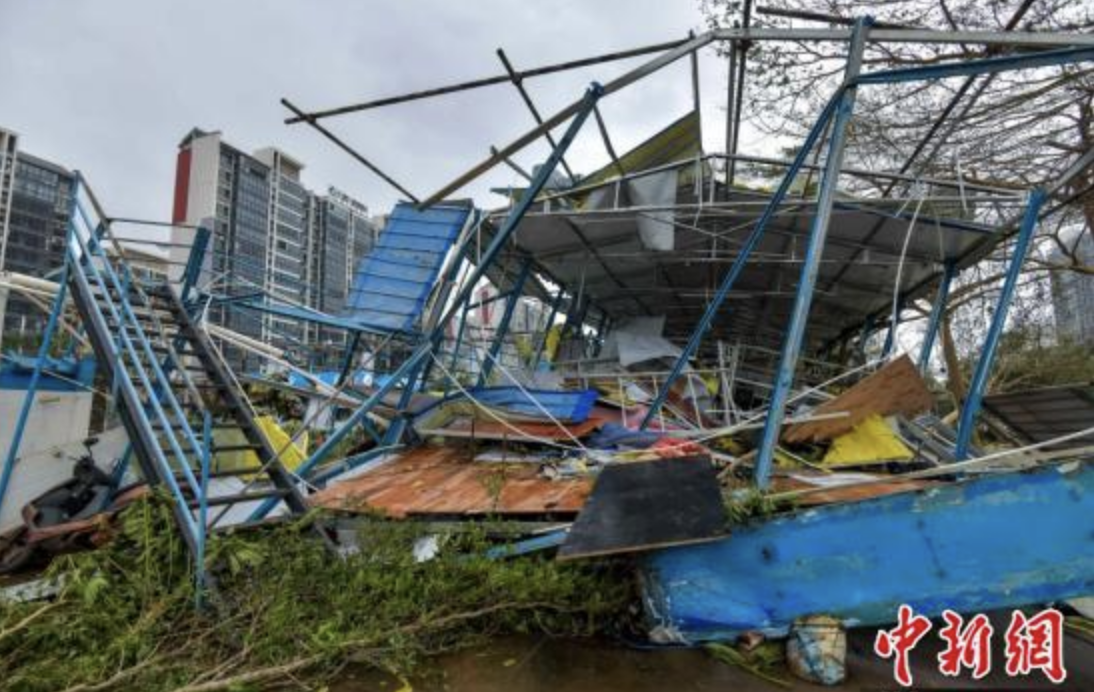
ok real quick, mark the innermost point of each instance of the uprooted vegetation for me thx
(285, 608)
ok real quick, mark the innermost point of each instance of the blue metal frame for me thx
(39, 364)
(425, 350)
(985, 66)
(130, 320)
(203, 508)
(194, 262)
(973, 400)
(742, 259)
(506, 317)
(1047, 58)
(80, 263)
(937, 311)
(788, 361)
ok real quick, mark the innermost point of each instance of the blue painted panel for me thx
(995, 542)
(393, 281)
(570, 406)
(78, 375)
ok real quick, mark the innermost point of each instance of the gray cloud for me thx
(109, 87)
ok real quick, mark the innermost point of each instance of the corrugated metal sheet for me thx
(444, 481)
(1045, 414)
(393, 281)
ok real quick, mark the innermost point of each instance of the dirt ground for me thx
(548, 665)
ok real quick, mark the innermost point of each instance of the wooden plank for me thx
(648, 504)
(895, 389)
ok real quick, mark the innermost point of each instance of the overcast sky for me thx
(110, 87)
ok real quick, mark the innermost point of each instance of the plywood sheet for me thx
(648, 504)
(896, 388)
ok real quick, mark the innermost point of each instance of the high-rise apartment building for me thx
(270, 234)
(35, 203)
(8, 148)
(341, 234)
(1073, 297)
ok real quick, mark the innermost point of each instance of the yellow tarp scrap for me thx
(295, 453)
(554, 338)
(292, 457)
(872, 441)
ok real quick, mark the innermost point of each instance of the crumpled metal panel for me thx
(1040, 415)
(393, 282)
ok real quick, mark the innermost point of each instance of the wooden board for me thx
(648, 504)
(896, 388)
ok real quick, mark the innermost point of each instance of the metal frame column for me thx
(506, 317)
(937, 312)
(784, 376)
(975, 397)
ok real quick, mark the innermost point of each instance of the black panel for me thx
(648, 504)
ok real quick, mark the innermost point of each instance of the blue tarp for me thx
(393, 282)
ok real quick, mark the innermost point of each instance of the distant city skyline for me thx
(270, 233)
(85, 89)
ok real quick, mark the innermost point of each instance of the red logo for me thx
(899, 642)
(969, 647)
(1032, 644)
(1036, 643)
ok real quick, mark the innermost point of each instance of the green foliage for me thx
(765, 662)
(283, 604)
(744, 504)
(1026, 362)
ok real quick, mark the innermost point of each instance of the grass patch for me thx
(285, 608)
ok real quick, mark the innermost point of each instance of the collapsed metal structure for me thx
(576, 249)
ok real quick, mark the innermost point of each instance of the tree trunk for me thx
(955, 381)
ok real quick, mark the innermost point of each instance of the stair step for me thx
(243, 447)
(240, 497)
(197, 425)
(225, 473)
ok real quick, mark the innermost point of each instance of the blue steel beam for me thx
(937, 312)
(788, 361)
(425, 349)
(1005, 63)
(459, 340)
(194, 262)
(506, 318)
(203, 507)
(742, 258)
(973, 400)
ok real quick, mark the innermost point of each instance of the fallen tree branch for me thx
(22, 624)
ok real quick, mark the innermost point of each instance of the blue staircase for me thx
(393, 282)
(172, 388)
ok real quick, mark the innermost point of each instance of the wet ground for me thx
(561, 665)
